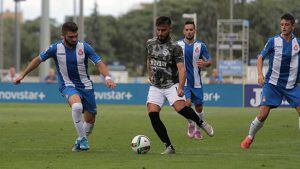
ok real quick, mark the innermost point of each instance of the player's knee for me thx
(77, 107)
(198, 109)
(90, 120)
(188, 104)
(179, 105)
(261, 118)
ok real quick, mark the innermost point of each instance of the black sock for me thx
(159, 128)
(189, 113)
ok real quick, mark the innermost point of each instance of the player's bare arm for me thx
(182, 78)
(261, 79)
(31, 66)
(202, 64)
(104, 71)
(149, 69)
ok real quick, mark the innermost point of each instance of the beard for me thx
(190, 37)
(163, 38)
(70, 43)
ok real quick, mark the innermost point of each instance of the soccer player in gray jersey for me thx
(167, 77)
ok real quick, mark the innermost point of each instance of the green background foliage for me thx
(123, 38)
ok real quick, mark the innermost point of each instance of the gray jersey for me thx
(163, 58)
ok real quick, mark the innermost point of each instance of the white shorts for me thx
(158, 96)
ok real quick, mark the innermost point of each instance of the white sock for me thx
(77, 119)
(88, 128)
(254, 127)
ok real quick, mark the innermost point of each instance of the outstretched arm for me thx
(104, 71)
(31, 66)
(149, 69)
(182, 78)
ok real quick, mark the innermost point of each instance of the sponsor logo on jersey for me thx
(158, 63)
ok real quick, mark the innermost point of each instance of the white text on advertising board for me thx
(211, 96)
(21, 95)
(113, 95)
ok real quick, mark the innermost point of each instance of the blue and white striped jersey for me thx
(72, 64)
(283, 61)
(191, 54)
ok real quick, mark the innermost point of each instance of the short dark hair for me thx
(69, 27)
(163, 20)
(190, 23)
(289, 17)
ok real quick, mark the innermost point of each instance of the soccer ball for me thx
(140, 144)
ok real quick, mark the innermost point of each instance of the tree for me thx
(123, 39)
(134, 29)
(8, 43)
(100, 32)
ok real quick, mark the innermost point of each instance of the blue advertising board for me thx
(214, 95)
(122, 94)
(49, 93)
(132, 94)
(30, 93)
(223, 95)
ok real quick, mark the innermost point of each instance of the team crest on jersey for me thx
(296, 47)
(166, 52)
(197, 50)
(80, 52)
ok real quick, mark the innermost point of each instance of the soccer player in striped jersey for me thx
(196, 57)
(71, 59)
(282, 75)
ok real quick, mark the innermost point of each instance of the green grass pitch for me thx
(41, 136)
